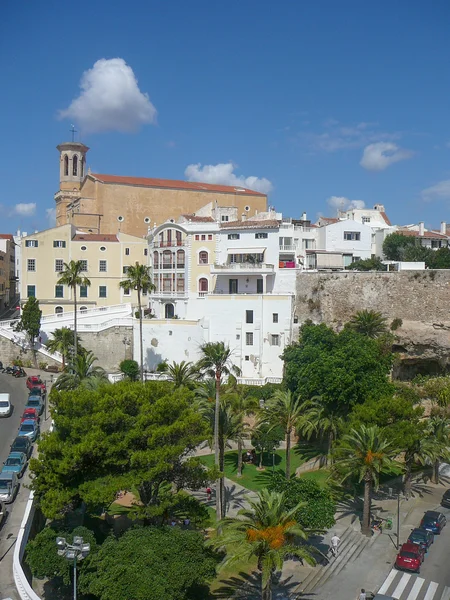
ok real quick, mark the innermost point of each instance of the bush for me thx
(162, 367)
(396, 323)
(17, 362)
(130, 369)
(42, 365)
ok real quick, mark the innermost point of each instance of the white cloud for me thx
(439, 191)
(343, 203)
(50, 213)
(223, 174)
(379, 156)
(110, 99)
(25, 210)
(337, 136)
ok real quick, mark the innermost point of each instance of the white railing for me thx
(166, 294)
(19, 338)
(242, 266)
(287, 248)
(24, 589)
(120, 322)
(116, 377)
(202, 294)
(258, 381)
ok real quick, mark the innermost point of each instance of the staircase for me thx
(351, 546)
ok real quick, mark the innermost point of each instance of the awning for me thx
(246, 250)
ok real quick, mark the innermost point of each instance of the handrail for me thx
(24, 589)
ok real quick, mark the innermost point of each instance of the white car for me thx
(5, 405)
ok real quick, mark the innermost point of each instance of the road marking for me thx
(446, 594)
(401, 586)
(416, 588)
(431, 591)
(387, 582)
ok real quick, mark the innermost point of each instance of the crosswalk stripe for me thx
(446, 594)
(387, 582)
(416, 588)
(401, 586)
(431, 590)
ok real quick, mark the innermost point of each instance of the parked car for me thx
(22, 444)
(34, 381)
(2, 513)
(16, 463)
(37, 391)
(433, 521)
(35, 402)
(5, 405)
(446, 499)
(29, 429)
(9, 486)
(421, 537)
(30, 413)
(410, 557)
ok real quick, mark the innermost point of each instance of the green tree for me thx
(284, 409)
(150, 564)
(127, 436)
(440, 259)
(419, 253)
(268, 531)
(369, 264)
(183, 373)
(364, 454)
(30, 321)
(81, 372)
(323, 419)
(438, 435)
(62, 342)
(395, 244)
(216, 362)
(317, 508)
(130, 368)
(138, 278)
(343, 368)
(242, 402)
(437, 389)
(368, 322)
(72, 276)
(266, 438)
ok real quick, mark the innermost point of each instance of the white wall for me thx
(333, 237)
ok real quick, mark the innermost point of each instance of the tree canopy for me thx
(368, 264)
(401, 247)
(344, 368)
(30, 319)
(126, 436)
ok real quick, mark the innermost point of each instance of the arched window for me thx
(82, 167)
(180, 259)
(167, 259)
(203, 285)
(179, 239)
(169, 311)
(75, 165)
(83, 309)
(155, 260)
(59, 310)
(66, 165)
(203, 258)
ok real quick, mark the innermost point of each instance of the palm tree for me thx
(268, 531)
(62, 342)
(216, 363)
(364, 454)
(419, 448)
(138, 278)
(438, 433)
(368, 322)
(72, 277)
(285, 409)
(323, 419)
(81, 372)
(242, 402)
(183, 373)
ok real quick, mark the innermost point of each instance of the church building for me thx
(108, 204)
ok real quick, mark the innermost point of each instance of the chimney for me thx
(421, 228)
(303, 217)
(243, 217)
(443, 228)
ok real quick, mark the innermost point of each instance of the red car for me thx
(34, 381)
(30, 413)
(410, 557)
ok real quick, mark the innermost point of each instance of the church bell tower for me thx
(72, 167)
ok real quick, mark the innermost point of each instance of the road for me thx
(9, 425)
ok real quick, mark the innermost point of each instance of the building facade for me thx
(8, 291)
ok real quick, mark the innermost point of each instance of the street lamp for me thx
(73, 552)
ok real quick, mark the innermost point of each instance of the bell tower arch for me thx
(72, 171)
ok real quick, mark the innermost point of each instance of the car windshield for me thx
(429, 521)
(33, 402)
(4, 403)
(27, 427)
(405, 554)
(4, 484)
(20, 442)
(418, 534)
(12, 462)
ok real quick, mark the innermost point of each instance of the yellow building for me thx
(7, 269)
(98, 203)
(106, 258)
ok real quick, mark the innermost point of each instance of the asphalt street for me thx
(9, 425)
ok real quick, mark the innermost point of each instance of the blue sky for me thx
(314, 100)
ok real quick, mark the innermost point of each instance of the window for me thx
(127, 252)
(203, 258)
(59, 265)
(197, 238)
(83, 309)
(83, 291)
(31, 291)
(274, 317)
(355, 258)
(66, 165)
(59, 310)
(145, 251)
(180, 259)
(203, 285)
(125, 269)
(352, 236)
(75, 165)
(365, 219)
(249, 316)
(259, 286)
(102, 266)
(102, 291)
(83, 248)
(233, 236)
(275, 339)
(169, 311)
(102, 248)
(232, 286)
(436, 243)
(247, 357)
(261, 236)
(59, 291)
(210, 236)
(126, 291)
(31, 264)
(224, 218)
(59, 244)
(155, 259)
(249, 338)
(31, 243)
(84, 265)
(308, 244)
(203, 238)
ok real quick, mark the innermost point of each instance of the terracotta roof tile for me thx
(250, 224)
(427, 234)
(196, 219)
(95, 237)
(6, 236)
(386, 218)
(174, 184)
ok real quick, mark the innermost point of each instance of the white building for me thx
(18, 265)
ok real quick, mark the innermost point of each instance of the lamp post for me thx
(73, 552)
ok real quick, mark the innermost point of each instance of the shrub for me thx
(162, 367)
(130, 369)
(42, 365)
(396, 323)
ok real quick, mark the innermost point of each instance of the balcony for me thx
(169, 294)
(242, 269)
(290, 248)
(171, 244)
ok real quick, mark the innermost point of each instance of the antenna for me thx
(73, 131)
